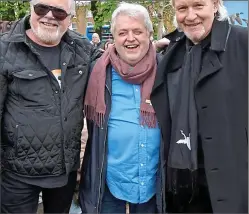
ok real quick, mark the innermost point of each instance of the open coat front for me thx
(94, 166)
(222, 105)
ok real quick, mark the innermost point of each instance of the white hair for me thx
(132, 10)
(95, 34)
(221, 14)
(70, 2)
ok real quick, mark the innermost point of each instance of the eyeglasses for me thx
(58, 13)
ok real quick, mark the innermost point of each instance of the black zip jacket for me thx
(41, 123)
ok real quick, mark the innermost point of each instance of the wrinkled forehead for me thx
(126, 21)
(187, 2)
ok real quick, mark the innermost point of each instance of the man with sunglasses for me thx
(43, 75)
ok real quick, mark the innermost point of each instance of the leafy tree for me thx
(13, 10)
(102, 12)
(161, 14)
(94, 9)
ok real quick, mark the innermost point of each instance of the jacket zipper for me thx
(63, 163)
(102, 165)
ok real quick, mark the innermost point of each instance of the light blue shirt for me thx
(133, 149)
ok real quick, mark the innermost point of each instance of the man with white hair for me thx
(43, 75)
(124, 162)
(200, 97)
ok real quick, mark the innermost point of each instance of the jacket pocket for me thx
(32, 88)
(30, 74)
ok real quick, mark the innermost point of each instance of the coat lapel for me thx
(219, 37)
(211, 66)
(159, 96)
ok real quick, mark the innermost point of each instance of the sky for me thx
(237, 7)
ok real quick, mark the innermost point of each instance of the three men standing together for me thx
(165, 135)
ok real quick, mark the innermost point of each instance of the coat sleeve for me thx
(239, 36)
(3, 94)
(245, 47)
(95, 54)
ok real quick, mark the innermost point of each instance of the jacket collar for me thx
(18, 31)
(219, 35)
(174, 56)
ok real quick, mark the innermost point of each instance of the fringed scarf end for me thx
(94, 116)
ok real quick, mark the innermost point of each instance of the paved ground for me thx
(40, 209)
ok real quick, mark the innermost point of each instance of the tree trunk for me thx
(81, 19)
(160, 20)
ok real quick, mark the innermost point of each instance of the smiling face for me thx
(195, 17)
(46, 30)
(131, 38)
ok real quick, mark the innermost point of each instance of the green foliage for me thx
(13, 10)
(102, 11)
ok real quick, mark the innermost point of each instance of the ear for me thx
(70, 21)
(216, 3)
(150, 36)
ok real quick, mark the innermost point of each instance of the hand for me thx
(161, 43)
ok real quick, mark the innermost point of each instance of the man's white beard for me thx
(196, 39)
(46, 36)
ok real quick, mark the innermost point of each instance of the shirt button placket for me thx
(142, 161)
(137, 95)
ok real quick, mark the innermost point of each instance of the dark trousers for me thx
(110, 204)
(19, 197)
(183, 203)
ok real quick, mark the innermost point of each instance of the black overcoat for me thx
(221, 95)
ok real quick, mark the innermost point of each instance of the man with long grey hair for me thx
(43, 75)
(201, 88)
(123, 166)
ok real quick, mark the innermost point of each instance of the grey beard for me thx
(46, 36)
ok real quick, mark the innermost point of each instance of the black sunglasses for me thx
(58, 13)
